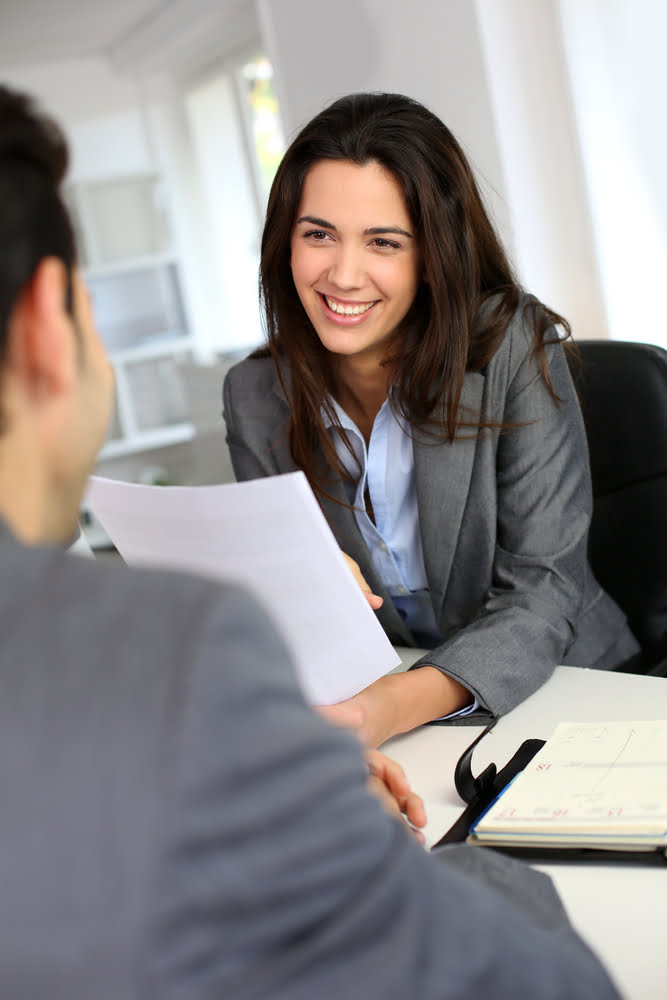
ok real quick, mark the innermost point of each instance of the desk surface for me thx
(620, 909)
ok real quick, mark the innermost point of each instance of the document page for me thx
(271, 536)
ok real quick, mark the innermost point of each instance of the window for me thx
(262, 117)
(237, 141)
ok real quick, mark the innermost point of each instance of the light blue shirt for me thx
(386, 468)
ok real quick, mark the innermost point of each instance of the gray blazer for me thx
(504, 523)
(176, 823)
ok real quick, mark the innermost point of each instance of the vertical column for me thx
(555, 254)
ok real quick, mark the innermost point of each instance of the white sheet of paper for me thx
(271, 536)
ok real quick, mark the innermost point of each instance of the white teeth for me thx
(348, 310)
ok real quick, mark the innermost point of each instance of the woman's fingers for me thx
(373, 599)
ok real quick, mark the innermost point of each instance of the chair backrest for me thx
(623, 393)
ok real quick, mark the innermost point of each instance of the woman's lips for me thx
(346, 312)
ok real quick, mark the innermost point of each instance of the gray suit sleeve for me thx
(280, 877)
(543, 496)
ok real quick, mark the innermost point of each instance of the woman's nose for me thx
(346, 270)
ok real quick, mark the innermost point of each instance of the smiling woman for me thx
(427, 398)
(357, 272)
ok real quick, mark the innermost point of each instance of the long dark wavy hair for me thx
(462, 307)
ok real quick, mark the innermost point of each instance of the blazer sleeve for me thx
(543, 506)
(280, 877)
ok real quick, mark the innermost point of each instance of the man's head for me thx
(55, 380)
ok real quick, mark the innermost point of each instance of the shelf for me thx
(171, 343)
(161, 437)
(128, 265)
(132, 270)
(121, 219)
(136, 306)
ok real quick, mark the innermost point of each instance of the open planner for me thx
(600, 786)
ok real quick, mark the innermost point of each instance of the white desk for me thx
(619, 909)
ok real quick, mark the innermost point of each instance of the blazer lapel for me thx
(442, 473)
(343, 523)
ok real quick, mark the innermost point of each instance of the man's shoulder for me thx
(145, 589)
(158, 614)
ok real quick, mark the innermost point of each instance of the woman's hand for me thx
(373, 714)
(387, 781)
(373, 599)
(396, 703)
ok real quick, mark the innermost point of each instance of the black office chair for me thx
(623, 393)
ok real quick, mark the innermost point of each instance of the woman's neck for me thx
(361, 389)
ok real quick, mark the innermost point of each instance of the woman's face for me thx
(354, 256)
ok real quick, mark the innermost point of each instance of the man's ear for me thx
(43, 344)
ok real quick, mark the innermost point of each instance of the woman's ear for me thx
(42, 338)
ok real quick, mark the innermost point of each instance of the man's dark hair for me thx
(34, 222)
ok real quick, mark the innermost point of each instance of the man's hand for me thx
(387, 781)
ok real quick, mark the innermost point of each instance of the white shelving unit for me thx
(132, 271)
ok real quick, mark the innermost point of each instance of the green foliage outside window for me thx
(265, 119)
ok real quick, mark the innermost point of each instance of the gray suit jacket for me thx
(176, 823)
(504, 523)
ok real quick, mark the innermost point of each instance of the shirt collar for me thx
(344, 420)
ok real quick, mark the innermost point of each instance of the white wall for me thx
(618, 75)
(494, 71)
(429, 51)
(100, 111)
(116, 126)
(546, 190)
(557, 102)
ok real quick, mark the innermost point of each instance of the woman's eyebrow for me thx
(381, 230)
(314, 221)
(373, 231)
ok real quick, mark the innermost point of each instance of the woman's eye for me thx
(383, 244)
(316, 234)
